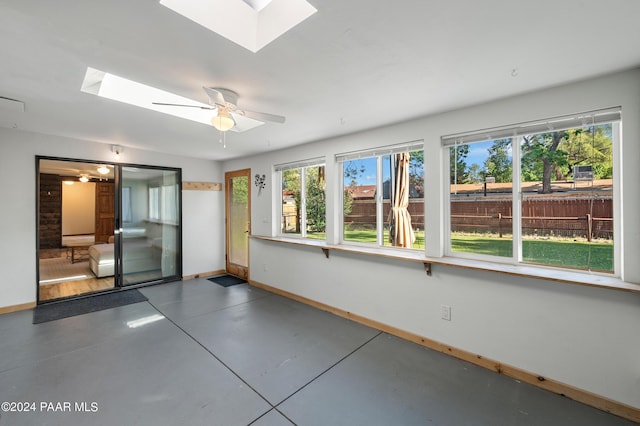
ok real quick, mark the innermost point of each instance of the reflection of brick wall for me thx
(50, 215)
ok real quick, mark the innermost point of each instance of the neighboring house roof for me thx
(362, 191)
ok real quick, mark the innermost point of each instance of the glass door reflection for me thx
(148, 235)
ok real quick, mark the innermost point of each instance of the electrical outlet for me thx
(446, 312)
(264, 267)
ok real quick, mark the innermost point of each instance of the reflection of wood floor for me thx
(74, 288)
(60, 278)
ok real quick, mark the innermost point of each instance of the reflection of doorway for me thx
(68, 211)
(120, 226)
(149, 238)
(238, 223)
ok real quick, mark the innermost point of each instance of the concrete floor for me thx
(242, 356)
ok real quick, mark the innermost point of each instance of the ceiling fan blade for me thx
(182, 105)
(262, 116)
(244, 123)
(215, 97)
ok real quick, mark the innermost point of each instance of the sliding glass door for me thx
(105, 226)
(148, 232)
(75, 213)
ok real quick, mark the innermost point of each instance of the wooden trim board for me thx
(15, 308)
(201, 186)
(203, 275)
(580, 395)
(528, 271)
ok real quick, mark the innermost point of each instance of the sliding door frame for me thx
(118, 278)
(119, 227)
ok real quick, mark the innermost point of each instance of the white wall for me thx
(203, 236)
(583, 336)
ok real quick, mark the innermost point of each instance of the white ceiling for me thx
(353, 65)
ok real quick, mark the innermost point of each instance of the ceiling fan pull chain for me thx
(223, 139)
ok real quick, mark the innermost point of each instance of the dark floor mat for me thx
(227, 280)
(71, 308)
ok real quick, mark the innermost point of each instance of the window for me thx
(163, 203)
(538, 193)
(383, 196)
(126, 204)
(303, 199)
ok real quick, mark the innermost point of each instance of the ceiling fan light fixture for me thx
(103, 170)
(223, 121)
(84, 178)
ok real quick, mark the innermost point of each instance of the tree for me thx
(416, 171)
(590, 146)
(541, 156)
(499, 164)
(315, 196)
(475, 173)
(316, 199)
(457, 163)
(352, 172)
(292, 183)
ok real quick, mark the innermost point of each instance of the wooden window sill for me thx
(529, 271)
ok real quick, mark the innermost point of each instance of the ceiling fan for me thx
(227, 115)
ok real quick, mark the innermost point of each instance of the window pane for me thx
(388, 189)
(403, 197)
(315, 201)
(239, 220)
(291, 185)
(360, 177)
(481, 190)
(416, 196)
(567, 187)
(154, 203)
(126, 204)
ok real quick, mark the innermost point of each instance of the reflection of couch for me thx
(138, 255)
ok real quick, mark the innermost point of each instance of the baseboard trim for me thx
(203, 275)
(15, 308)
(580, 395)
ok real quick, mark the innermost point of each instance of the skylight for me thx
(120, 89)
(250, 23)
(257, 4)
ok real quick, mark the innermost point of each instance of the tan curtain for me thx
(400, 232)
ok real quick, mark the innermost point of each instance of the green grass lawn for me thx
(569, 254)
(369, 236)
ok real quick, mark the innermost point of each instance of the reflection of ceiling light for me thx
(103, 170)
(223, 120)
(144, 321)
(57, 280)
(68, 182)
(84, 178)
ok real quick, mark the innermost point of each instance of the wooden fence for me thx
(562, 216)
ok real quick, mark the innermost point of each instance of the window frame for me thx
(303, 165)
(516, 132)
(378, 153)
(162, 203)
